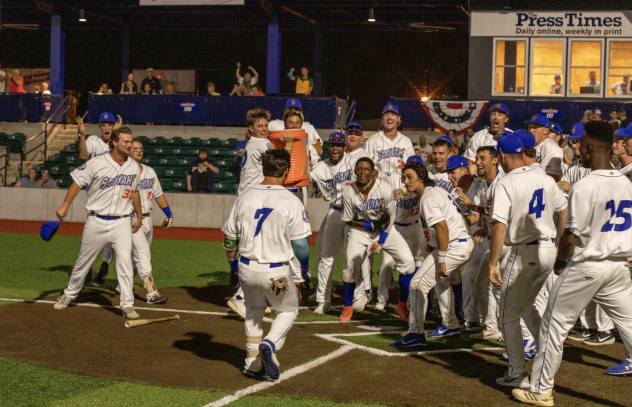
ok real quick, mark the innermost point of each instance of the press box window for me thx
(548, 63)
(619, 68)
(509, 66)
(586, 70)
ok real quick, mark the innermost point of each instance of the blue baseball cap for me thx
(527, 138)
(577, 131)
(107, 117)
(456, 161)
(415, 158)
(446, 138)
(293, 103)
(628, 130)
(337, 138)
(391, 108)
(353, 126)
(500, 107)
(556, 128)
(621, 132)
(48, 230)
(510, 145)
(558, 76)
(540, 119)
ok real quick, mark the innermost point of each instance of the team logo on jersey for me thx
(538, 159)
(268, 146)
(408, 203)
(441, 183)
(391, 152)
(81, 167)
(342, 177)
(371, 205)
(122, 179)
(305, 217)
(147, 183)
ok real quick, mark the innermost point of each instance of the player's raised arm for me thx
(83, 148)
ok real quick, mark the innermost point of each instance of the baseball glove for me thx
(278, 285)
(382, 223)
(166, 224)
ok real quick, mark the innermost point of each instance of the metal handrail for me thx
(6, 164)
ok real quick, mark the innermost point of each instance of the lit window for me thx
(509, 70)
(586, 57)
(619, 68)
(548, 58)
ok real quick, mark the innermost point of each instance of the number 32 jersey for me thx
(525, 200)
(265, 219)
(600, 215)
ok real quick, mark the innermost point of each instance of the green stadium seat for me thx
(225, 187)
(15, 142)
(143, 140)
(160, 172)
(58, 170)
(157, 141)
(74, 160)
(212, 143)
(168, 162)
(193, 142)
(148, 151)
(56, 158)
(151, 161)
(181, 152)
(41, 167)
(175, 173)
(180, 186)
(230, 173)
(174, 142)
(162, 151)
(194, 151)
(185, 162)
(231, 153)
(218, 153)
(225, 164)
(166, 184)
(4, 138)
(70, 149)
(64, 182)
(230, 143)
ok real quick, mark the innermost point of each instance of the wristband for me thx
(441, 256)
(382, 238)
(368, 226)
(167, 212)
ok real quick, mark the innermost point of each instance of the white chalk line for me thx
(284, 376)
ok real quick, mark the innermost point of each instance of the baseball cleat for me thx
(100, 278)
(88, 279)
(156, 298)
(583, 335)
(521, 381)
(62, 302)
(411, 340)
(359, 304)
(536, 399)
(252, 375)
(381, 305)
(402, 311)
(472, 326)
(312, 297)
(323, 308)
(488, 335)
(601, 338)
(622, 369)
(118, 288)
(238, 305)
(130, 312)
(443, 332)
(268, 311)
(270, 362)
(529, 350)
(347, 313)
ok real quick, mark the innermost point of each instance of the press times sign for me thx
(552, 24)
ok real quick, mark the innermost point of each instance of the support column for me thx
(57, 40)
(318, 61)
(125, 64)
(273, 79)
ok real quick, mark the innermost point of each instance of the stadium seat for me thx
(4, 137)
(74, 160)
(70, 149)
(151, 161)
(218, 153)
(41, 167)
(194, 151)
(168, 162)
(230, 143)
(56, 158)
(167, 185)
(160, 172)
(148, 151)
(212, 143)
(193, 142)
(157, 141)
(180, 152)
(15, 142)
(230, 174)
(143, 140)
(180, 186)
(174, 142)
(225, 187)
(58, 170)
(175, 173)
(162, 151)
(185, 162)
(64, 182)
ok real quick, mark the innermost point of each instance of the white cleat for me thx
(536, 399)
(488, 335)
(62, 302)
(381, 305)
(360, 304)
(130, 312)
(521, 381)
(239, 306)
(323, 308)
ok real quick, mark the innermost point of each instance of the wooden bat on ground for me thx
(140, 322)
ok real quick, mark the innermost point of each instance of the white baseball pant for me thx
(526, 271)
(488, 295)
(459, 252)
(141, 252)
(594, 317)
(96, 234)
(108, 254)
(333, 233)
(256, 280)
(608, 284)
(470, 272)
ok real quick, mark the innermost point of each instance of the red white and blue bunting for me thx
(456, 116)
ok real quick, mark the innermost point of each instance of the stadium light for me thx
(371, 15)
(82, 16)
(423, 99)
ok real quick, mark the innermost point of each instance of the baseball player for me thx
(522, 217)
(441, 152)
(622, 147)
(576, 170)
(267, 224)
(440, 212)
(596, 241)
(547, 153)
(112, 181)
(314, 140)
(369, 210)
(498, 119)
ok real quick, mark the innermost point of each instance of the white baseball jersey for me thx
(525, 201)
(627, 171)
(150, 188)
(480, 139)
(575, 172)
(332, 179)
(312, 136)
(600, 215)
(110, 186)
(390, 156)
(379, 200)
(407, 209)
(473, 193)
(436, 205)
(485, 197)
(96, 146)
(252, 168)
(550, 156)
(265, 219)
(440, 178)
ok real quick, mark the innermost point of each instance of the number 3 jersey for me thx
(600, 215)
(110, 186)
(437, 205)
(525, 200)
(150, 188)
(265, 219)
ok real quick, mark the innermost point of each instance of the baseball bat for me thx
(141, 322)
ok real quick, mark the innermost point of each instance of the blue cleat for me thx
(443, 332)
(529, 350)
(623, 369)
(410, 341)
(269, 359)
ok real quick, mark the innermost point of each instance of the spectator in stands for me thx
(623, 115)
(245, 83)
(170, 89)
(589, 115)
(417, 151)
(211, 89)
(30, 181)
(46, 181)
(104, 90)
(557, 87)
(593, 82)
(616, 88)
(241, 149)
(3, 82)
(597, 115)
(455, 141)
(146, 89)
(624, 89)
(614, 119)
(43, 89)
(129, 86)
(256, 91)
(17, 82)
(426, 149)
(304, 83)
(154, 83)
(201, 174)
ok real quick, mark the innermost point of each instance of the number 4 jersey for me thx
(265, 219)
(600, 214)
(525, 200)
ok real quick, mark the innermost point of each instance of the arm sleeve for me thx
(560, 200)
(83, 174)
(300, 248)
(432, 211)
(157, 188)
(298, 226)
(348, 211)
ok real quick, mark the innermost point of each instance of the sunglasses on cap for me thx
(573, 141)
(354, 127)
(337, 138)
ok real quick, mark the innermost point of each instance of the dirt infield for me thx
(206, 352)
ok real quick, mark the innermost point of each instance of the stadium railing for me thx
(30, 107)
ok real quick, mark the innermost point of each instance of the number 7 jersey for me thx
(600, 215)
(265, 219)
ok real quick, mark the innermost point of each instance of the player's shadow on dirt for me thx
(202, 345)
(587, 398)
(212, 294)
(65, 268)
(99, 297)
(575, 354)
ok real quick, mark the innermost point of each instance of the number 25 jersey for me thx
(265, 219)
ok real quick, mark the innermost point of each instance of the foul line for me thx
(284, 376)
